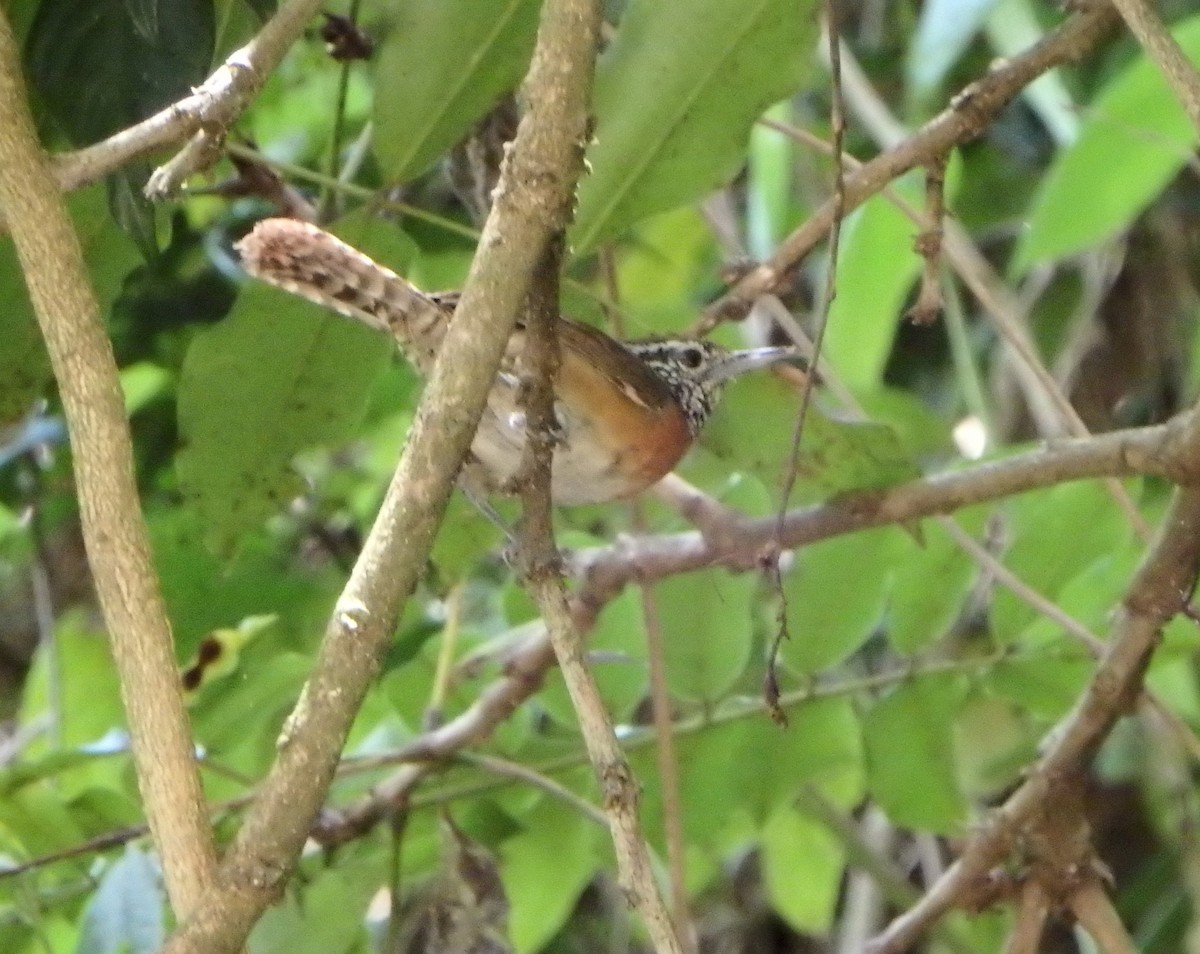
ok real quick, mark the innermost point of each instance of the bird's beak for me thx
(739, 362)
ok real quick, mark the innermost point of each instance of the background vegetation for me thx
(928, 660)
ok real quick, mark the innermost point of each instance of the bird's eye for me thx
(692, 357)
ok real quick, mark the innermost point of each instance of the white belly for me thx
(584, 469)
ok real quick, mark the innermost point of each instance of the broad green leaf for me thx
(996, 739)
(102, 65)
(771, 172)
(278, 375)
(24, 364)
(835, 456)
(125, 915)
(1091, 596)
(802, 866)
(909, 736)
(836, 596)
(1046, 686)
(544, 870)
(1056, 534)
(442, 66)
(206, 592)
(35, 821)
(86, 698)
(1135, 139)
(326, 917)
(142, 383)
(706, 631)
(750, 767)
(252, 703)
(676, 94)
(930, 585)
(876, 269)
(669, 257)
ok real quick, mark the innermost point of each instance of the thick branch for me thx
(113, 530)
(536, 188)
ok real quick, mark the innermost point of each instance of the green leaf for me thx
(876, 269)
(835, 455)
(668, 258)
(752, 766)
(443, 65)
(35, 821)
(24, 364)
(326, 917)
(802, 866)
(143, 383)
(931, 582)
(125, 915)
(86, 699)
(275, 377)
(1044, 686)
(1056, 534)
(676, 94)
(706, 629)
(909, 737)
(836, 597)
(102, 65)
(555, 840)
(1135, 139)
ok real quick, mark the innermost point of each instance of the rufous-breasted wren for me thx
(627, 411)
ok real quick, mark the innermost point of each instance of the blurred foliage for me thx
(265, 432)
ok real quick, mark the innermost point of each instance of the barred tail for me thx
(308, 261)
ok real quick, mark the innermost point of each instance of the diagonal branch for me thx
(735, 543)
(1159, 591)
(113, 529)
(970, 113)
(531, 203)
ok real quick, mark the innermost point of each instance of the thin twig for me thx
(541, 571)
(1048, 403)
(535, 779)
(970, 113)
(660, 694)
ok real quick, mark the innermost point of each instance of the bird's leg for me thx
(474, 488)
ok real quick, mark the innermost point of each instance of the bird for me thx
(627, 411)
